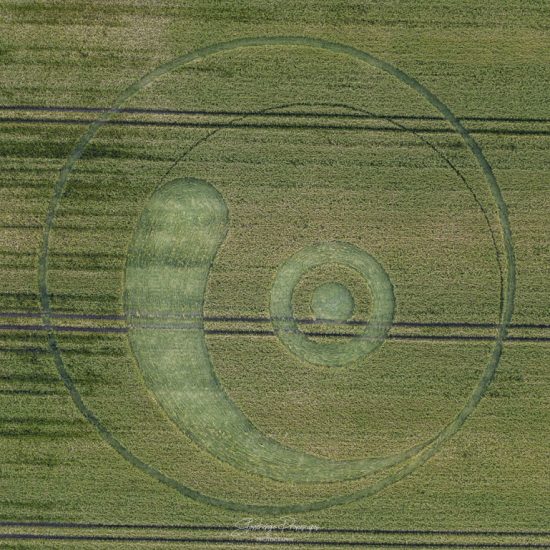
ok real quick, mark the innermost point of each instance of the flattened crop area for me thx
(284, 290)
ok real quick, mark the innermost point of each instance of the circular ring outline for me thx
(289, 275)
(507, 285)
(413, 451)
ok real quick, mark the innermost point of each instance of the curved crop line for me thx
(365, 112)
(404, 455)
(505, 313)
(418, 133)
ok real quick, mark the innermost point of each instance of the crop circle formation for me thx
(282, 291)
(334, 353)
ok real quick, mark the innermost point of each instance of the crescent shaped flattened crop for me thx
(174, 246)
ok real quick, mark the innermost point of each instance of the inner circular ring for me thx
(333, 354)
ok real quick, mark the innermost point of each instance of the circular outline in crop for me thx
(333, 354)
(507, 290)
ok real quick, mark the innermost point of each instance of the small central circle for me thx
(332, 302)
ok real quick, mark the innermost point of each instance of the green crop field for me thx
(274, 274)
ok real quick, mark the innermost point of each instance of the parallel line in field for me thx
(243, 332)
(264, 113)
(40, 420)
(27, 392)
(251, 319)
(274, 126)
(48, 351)
(90, 316)
(453, 337)
(268, 542)
(24, 350)
(283, 529)
(61, 328)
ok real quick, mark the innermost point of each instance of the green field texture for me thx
(287, 137)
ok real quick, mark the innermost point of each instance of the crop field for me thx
(274, 274)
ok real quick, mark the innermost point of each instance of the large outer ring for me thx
(507, 283)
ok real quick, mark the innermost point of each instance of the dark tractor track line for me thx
(268, 333)
(267, 541)
(28, 392)
(62, 328)
(24, 350)
(260, 320)
(279, 529)
(273, 126)
(264, 113)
